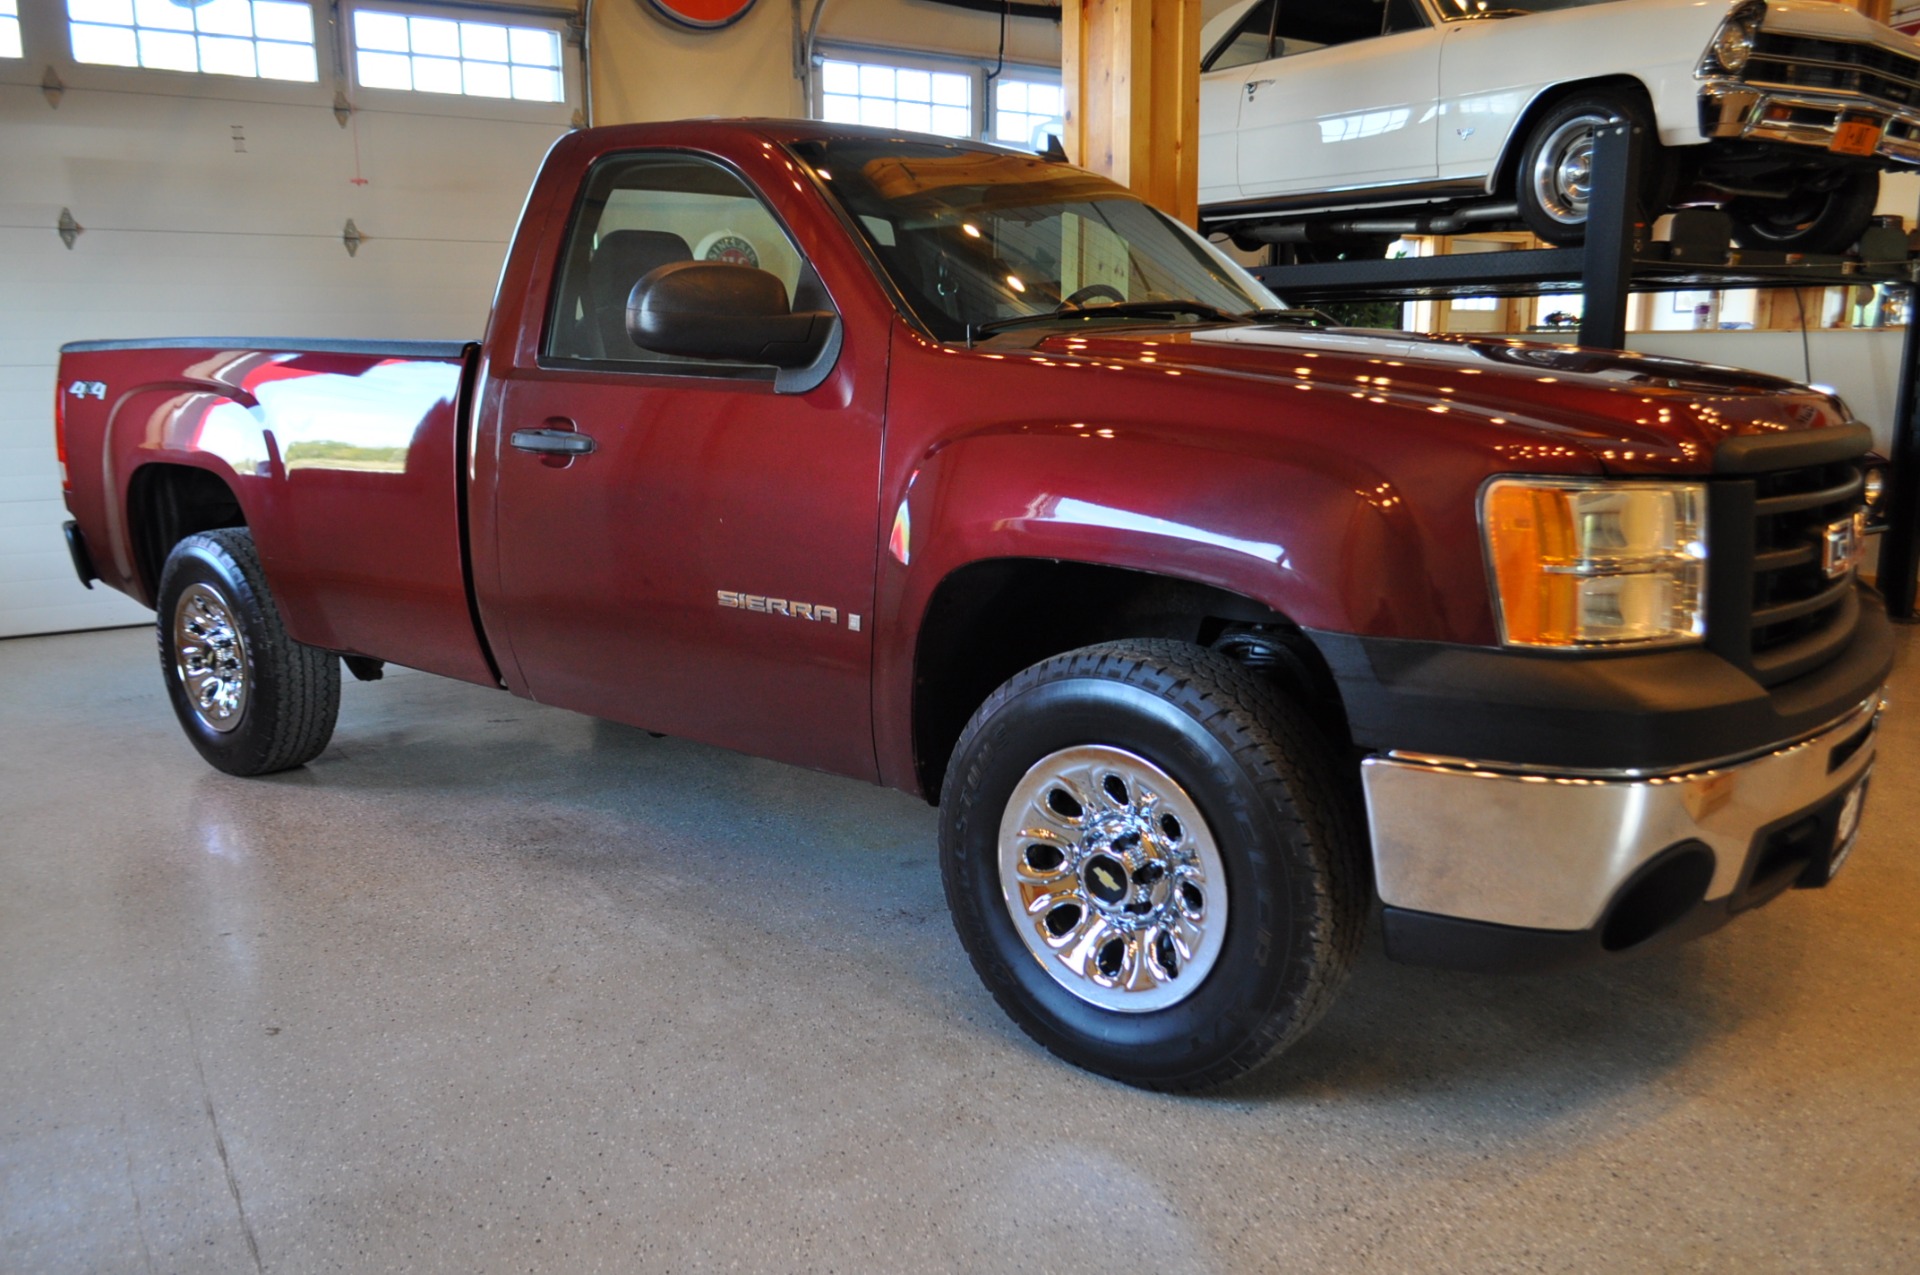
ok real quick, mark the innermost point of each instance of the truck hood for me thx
(1630, 413)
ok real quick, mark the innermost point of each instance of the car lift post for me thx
(1613, 229)
(1900, 547)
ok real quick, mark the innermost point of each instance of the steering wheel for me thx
(1095, 291)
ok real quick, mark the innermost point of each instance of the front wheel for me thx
(1827, 218)
(1151, 862)
(251, 699)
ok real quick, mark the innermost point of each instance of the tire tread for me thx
(1269, 738)
(294, 700)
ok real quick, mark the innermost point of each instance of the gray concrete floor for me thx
(496, 987)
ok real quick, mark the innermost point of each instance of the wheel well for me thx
(989, 620)
(1517, 139)
(168, 503)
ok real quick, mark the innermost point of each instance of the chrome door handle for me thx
(1254, 86)
(552, 442)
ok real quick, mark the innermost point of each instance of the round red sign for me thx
(704, 15)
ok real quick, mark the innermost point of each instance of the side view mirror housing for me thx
(712, 310)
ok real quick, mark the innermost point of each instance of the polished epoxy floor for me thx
(493, 987)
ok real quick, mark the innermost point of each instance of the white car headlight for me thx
(1579, 563)
(1732, 45)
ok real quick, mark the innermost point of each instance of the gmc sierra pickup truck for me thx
(961, 471)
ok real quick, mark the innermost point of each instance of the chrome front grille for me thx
(1772, 608)
(1833, 66)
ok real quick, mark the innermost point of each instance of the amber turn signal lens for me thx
(1579, 563)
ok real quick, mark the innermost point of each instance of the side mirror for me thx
(711, 310)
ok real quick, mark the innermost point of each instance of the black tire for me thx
(1826, 218)
(1293, 893)
(261, 702)
(1553, 201)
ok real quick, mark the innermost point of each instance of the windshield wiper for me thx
(1305, 318)
(1117, 309)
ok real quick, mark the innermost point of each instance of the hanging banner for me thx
(702, 15)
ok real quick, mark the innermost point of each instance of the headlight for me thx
(1733, 43)
(1876, 497)
(1733, 46)
(1587, 563)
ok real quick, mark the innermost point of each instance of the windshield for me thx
(1454, 10)
(972, 237)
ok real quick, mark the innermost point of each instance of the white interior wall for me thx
(1864, 366)
(189, 231)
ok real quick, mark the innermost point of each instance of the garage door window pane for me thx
(386, 71)
(437, 55)
(105, 46)
(896, 97)
(1025, 111)
(227, 57)
(534, 84)
(383, 31)
(840, 78)
(118, 13)
(283, 22)
(436, 75)
(252, 38)
(168, 51)
(483, 42)
(488, 79)
(435, 37)
(288, 62)
(225, 17)
(162, 15)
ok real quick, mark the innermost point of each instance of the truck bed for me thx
(343, 457)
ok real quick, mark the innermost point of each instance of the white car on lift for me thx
(1329, 122)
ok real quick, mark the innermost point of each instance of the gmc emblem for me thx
(1843, 545)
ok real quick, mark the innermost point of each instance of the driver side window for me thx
(1284, 28)
(1306, 25)
(639, 213)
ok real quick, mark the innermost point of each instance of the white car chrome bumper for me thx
(1801, 117)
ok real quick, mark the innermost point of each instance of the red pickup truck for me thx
(961, 471)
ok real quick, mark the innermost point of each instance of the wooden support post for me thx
(1131, 69)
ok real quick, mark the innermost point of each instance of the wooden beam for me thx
(1131, 70)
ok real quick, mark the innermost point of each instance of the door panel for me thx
(1486, 81)
(1354, 114)
(706, 569)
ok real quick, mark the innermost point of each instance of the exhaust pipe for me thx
(1434, 224)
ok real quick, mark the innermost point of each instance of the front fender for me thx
(1320, 536)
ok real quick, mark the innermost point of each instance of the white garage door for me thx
(216, 204)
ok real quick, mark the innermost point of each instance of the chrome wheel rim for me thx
(210, 658)
(1563, 170)
(1112, 879)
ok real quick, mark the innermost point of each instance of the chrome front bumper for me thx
(1800, 117)
(1551, 850)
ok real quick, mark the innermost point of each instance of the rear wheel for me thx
(251, 699)
(1822, 217)
(1150, 862)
